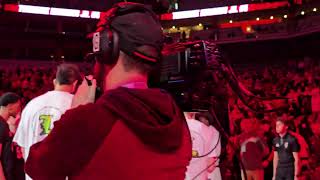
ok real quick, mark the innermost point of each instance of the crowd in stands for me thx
(29, 82)
(297, 81)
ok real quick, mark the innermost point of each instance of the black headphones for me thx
(106, 41)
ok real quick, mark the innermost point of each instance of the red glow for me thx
(167, 16)
(245, 24)
(226, 10)
(51, 11)
(264, 6)
(11, 7)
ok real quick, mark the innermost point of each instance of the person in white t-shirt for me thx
(206, 149)
(38, 117)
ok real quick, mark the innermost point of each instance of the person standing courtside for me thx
(40, 113)
(10, 106)
(285, 160)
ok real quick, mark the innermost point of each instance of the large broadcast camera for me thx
(197, 74)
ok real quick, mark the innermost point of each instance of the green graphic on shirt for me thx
(45, 124)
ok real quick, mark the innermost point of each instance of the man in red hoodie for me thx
(131, 131)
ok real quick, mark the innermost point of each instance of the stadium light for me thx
(169, 16)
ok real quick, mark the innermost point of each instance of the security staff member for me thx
(285, 161)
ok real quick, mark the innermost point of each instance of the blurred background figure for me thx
(206, 147)
(18, 170)
(39, 115)
(253, 149)
(10, 108)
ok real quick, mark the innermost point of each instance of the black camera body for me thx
(198, 75)
(191, 72)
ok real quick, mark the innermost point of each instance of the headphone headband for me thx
(106, 39)
(120, 9)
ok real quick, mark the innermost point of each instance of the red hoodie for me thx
(127, 134)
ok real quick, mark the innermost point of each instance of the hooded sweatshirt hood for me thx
(157, 121)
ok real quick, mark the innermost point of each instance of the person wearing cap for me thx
(39, 115)
(130, 132)
(10, 106)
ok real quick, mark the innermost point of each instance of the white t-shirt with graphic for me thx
(38, 116)
(204, 139)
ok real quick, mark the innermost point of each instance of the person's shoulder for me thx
(34, 103)
(83, 109)
(276, 139)
(195, 124)
(87, 118)
(3, 126)
(213, 129)
(91, 110)
(33, 106)
(67, 95)
(2, 123)
(67, 98)
(293, 137)
(205, 128)
(213, 133)
(57, 95)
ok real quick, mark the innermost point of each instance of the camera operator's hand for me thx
(86, 92)
(265, 163)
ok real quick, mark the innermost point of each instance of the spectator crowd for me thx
(299, 82)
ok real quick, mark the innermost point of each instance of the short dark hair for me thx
(207, 116)
(131, 63)
(284, 121)
(67, 74)
(9, 98)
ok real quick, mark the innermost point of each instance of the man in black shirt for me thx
(286, 148)
(10, 105)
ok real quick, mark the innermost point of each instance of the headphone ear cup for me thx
(105, 46)
(109, 43)
(115, 48)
